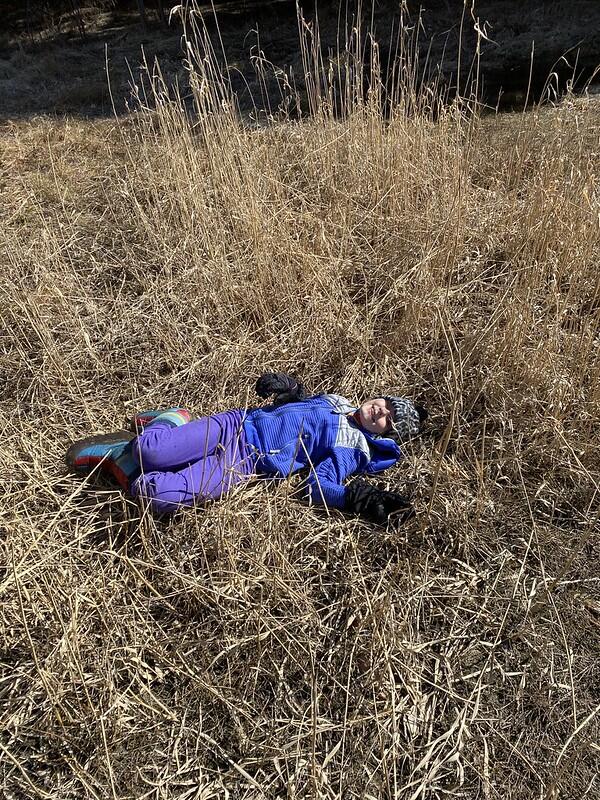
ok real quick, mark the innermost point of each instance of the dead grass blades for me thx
(257, 648)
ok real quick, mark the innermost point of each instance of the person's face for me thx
(376, 416)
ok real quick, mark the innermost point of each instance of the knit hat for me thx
(407, 417)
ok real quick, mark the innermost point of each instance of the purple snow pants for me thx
(198, 461)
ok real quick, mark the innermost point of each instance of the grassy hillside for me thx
(258, 648)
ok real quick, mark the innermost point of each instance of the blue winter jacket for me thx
(316, 434)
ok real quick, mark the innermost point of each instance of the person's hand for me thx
(376, 504)
(284, 388)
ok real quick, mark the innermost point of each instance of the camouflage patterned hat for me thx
(407, 419)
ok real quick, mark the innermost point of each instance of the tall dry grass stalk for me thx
(257, 648)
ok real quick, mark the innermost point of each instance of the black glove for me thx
(375, 504)
(284, 388)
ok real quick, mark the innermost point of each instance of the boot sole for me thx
(84, 464)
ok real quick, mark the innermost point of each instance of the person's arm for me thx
(325, 486)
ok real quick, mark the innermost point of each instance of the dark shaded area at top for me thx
(53, 54)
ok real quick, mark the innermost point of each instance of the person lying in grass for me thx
(170, 460)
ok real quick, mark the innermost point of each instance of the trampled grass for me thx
(257, 647)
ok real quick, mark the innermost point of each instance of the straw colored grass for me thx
(258, 648)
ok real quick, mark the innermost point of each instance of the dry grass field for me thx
(258, 648)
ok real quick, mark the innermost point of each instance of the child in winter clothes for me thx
(173, 461)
